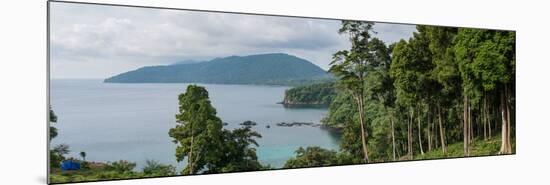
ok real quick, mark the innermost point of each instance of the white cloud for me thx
(94, 41)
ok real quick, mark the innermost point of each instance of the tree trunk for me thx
(466, 127)
(505, 146)
(470, 130)
(190, 157)
(409, 136)
(392, 138)
(419, 133)
(363, 132)
(429, 131)
(441, 131)
(489, 113)
(484, 118)
(509, 122)
(436, 133)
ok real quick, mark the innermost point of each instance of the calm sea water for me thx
(131, 121)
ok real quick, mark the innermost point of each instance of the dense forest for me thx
(320, 94)
(442, 88)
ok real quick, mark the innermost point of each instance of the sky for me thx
(97, 41)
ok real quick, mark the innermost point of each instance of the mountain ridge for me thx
(269, 69)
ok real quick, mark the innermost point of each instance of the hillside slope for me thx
(270, 69)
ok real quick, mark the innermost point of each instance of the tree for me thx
(201, 140)
(121, 166)
(57, 154)
(315, 156)
(198, 133)
(239, 153)
(410, 67)
(350, 66)
(53, 119)
(380, 97)
(154, 168)
(445, 73)
(62, 149)
(83, 155)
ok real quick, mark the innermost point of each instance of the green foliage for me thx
(410, 67)
(486, 58)
(61, 149)
(111, 171)
(153, 168)
(341, 110)
(479, 147)
(55, 159)
(350, 66)
(83, 155)
(423, 78)
(53, 119)
(198, 133)
(201, 140)
(319, 94)
(239, 151)
(350, 138)
(353, 68)
(315, 156)
(121, 166)
(270, 69)
(58, 152)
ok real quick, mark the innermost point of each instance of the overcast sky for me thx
(95, 41)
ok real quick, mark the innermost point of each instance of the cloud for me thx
(109, 40)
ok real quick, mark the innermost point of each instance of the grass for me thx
(92, 174)
(479, 147)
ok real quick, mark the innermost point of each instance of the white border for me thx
(23, 87)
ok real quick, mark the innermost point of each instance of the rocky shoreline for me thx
(291, 104)
(250, 123)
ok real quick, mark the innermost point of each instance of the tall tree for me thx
(410, 67)
(402, 81)
(351, 66)
(380, 91)
(445, 73)
(198, 133)
(201, 140)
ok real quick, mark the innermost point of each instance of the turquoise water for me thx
(131, 121)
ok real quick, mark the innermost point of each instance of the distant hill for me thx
(313, 95)
(270, 69)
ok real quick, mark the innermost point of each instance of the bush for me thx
(316, 156)
(154, 168)
(121, 166)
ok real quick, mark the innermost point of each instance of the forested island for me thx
(261, 69)
(444, 93)
(317, 95)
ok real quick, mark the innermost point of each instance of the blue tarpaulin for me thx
(70, 165)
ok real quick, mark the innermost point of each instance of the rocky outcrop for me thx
(285, 124)
(248, 123)
(336, 129)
